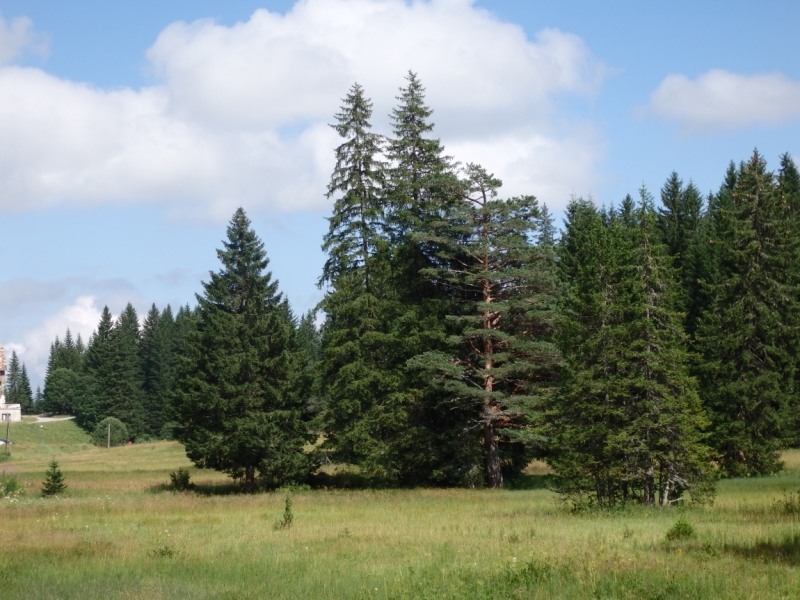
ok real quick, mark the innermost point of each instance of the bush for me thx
(119, 432)
(9, 485)
(180, 480)
(681, 530)
(53, 481)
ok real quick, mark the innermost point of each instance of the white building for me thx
(8, 412)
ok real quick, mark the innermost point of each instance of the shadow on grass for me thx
(345, 480)
(785, 551)
(203, 489)
(531, 482)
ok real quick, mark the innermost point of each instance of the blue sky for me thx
(129, 132)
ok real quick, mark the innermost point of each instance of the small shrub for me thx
(285, 522)
(119, 433)
(53, 481)
(164, 551)
(180, 480)
(681, 530)
(144, 438)
(789, 505)
(9, 485)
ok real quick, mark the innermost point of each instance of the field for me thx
(119, 533)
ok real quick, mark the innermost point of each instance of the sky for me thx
(130, 132)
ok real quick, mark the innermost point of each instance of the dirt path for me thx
(50, 419)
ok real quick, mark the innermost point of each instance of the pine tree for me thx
(748, 337)
(54, 480)
(503, 350)
(234, 400)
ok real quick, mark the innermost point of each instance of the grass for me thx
(117, 533)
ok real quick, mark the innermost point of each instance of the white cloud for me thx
(34, 348)
(17, 36)
(719, 100)
(239, 114)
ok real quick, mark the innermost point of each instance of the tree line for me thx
(642, 352)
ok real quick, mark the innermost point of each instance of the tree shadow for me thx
(525, 481)
(785, 551)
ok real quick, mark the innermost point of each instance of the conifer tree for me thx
(356, 368)
(124, 397)
(234, 400)
(627, 423)
(158, 358)
(679, 222)
(503, 350)
(12, 390)
(54, 480)
(357, 181)
(25, 392)
(748, 337)
(38, 400)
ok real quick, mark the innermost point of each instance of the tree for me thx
(358, 181)
(748, 338)
(627, 424)
(234, 401)
(12, 390)
(110, 432)
(66, 393)
(53, 480)
(125, 395)
(503, 351)
(158, 358)
(25, 391)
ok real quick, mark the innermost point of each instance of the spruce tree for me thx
(158, 358)
(359, 382)
(25, 392)
(13, 376)
(748, 336)
(357, 183)
(53, 481)
(234, 400)
(627, 423)
(124, 397)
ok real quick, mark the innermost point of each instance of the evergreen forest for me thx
(642, 350)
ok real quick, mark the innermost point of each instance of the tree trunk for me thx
(494, 475)
(649, 487)
(249, 480)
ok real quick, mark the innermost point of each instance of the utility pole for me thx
(8, 427)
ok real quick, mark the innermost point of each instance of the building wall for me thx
(10, 412)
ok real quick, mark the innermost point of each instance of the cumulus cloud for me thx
(238, 115)
(81, 317)
(720, 100)
(17, 36)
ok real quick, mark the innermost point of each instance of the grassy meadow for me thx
(118, 532)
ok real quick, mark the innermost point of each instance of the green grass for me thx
(117, 534)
